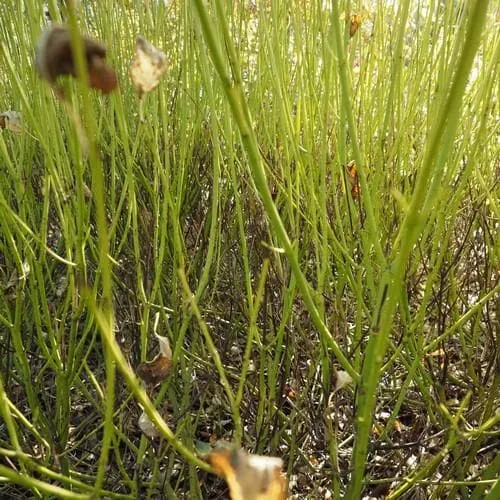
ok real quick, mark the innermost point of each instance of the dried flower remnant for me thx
(54, 58)
(156, 371)
(11, 120)
(148, 66)
(250, 477)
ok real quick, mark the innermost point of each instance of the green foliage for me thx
(229, 211)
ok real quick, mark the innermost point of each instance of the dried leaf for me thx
(353, 179)
(156, 371)
(164, 346)
(11, 120)
(343, 379)
(54, 58)
(250, 477)
(147, 426)
(148, 66)
(355, 23)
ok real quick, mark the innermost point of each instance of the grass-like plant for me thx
(310, 192)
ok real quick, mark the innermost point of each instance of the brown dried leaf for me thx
(355, 23)
(148, 66)
(156, 371)
(54, 58)
(11, 120)
(250, 477)
(352, 172)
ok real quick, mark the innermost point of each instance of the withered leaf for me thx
(147, 426)
(148, 66)
(164, 346)
(342, 380)
(355, 23)
(54, 58)
(156, 371)
(352, 172)
(250, 477)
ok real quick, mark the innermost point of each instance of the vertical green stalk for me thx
(393, 278)
(236, 99)
(191, 299)
(98, 188)
(347, 106)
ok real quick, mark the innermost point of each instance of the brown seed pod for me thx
(54, 58)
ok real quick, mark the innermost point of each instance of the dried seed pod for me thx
(54, 58)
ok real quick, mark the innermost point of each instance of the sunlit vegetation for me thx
(267, 226)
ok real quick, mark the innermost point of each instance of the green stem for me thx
(392, 281)
(236, 99)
